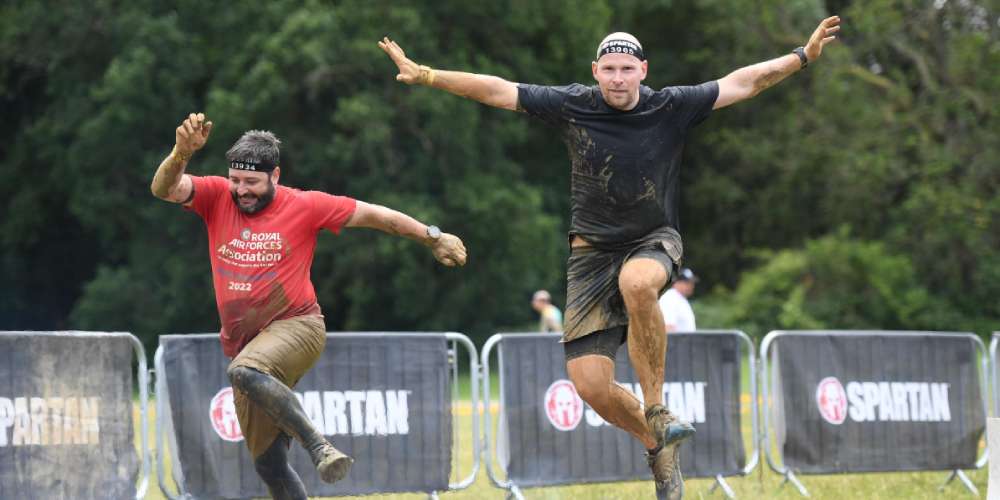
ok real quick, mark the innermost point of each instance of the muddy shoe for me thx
(664, 460)
(666, 465)
(331, 464)
(665, 427)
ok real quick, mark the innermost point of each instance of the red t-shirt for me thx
(261, 261)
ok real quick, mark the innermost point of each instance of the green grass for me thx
(761, 483)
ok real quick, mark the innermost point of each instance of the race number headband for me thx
(620, 46)
(253, 166)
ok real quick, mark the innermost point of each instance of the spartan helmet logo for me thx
(831, 400)
(222, 413)
(563, 406)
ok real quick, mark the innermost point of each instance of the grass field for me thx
(761, 483)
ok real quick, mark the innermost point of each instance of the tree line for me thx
(859, 193)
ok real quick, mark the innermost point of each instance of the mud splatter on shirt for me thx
(625, 165)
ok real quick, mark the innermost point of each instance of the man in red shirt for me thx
(262, 237)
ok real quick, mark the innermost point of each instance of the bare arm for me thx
(747, 82)
(552, 324)
(448, 249)
(490, 90)
(170, 183)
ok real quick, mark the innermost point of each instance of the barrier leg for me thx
(159, 431)
(456, 436)
(963, 479)
(720, 482)
(790, 478)
(515, 493)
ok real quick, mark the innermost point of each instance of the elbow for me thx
(160, 191)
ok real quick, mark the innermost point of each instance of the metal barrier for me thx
(618, 445)
(994, 373)
(61, 452)
(832, 402)
(448, 368)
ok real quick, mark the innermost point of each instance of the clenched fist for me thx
(449, 250)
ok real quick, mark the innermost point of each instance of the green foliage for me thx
(833, 282)
(894, 133)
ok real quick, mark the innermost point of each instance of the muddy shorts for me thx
(594, 304)
(286, 349)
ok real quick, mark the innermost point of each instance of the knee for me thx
(240, 376)
(638, 290)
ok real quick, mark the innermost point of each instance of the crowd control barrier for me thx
(548, 436)
(873, 401)
(995, 373)
(66, 416)
(385, 399)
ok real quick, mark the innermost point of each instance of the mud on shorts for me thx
(596, 318)
(286, 349)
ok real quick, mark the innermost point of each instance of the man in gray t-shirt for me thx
(624, 142)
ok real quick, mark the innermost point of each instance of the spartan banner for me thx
(66, 416)
(878, 401)
(553, 437)
(384, 399)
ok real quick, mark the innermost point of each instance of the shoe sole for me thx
(333, 469)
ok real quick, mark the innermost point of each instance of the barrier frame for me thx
(141, 379)
(452, 339)
(515, 491)
(994, 372)
(788, 474)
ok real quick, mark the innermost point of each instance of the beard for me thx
(261, 202)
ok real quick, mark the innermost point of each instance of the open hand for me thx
(824, 34)
(449, 250)
(409, 72)
(192, 134)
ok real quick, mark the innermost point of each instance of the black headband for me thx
(253, 166)
(621, 46)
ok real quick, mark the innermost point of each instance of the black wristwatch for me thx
(801, 52)
(434, 233)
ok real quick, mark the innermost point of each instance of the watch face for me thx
(433, 232)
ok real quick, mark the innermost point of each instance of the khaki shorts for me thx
(286, 349)
(593, 301)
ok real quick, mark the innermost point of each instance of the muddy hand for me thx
(449, 250)
(192, 135)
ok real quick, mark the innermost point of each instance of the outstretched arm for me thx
(489, 90)
(170, 182)
(747, 82)
(447, 249)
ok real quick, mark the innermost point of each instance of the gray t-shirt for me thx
(625, 164)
